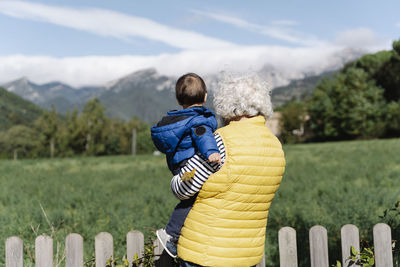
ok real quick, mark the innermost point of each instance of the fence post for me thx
(158, 249)
(383, 245)
(287, 247)
(103, 243)
(74, 251)
(319, 246)
(14, 252)
(161, 258)
(134, 245)
(134, 141)
(43, 251)
(349, 237)
(262, 263)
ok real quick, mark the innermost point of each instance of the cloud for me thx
(363, 38)
(398, 25)
(276, 31)
(110, 23)
(285, 22)
(291, 63)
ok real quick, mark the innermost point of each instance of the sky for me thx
(83, 42)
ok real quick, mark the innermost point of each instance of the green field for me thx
(330, 184)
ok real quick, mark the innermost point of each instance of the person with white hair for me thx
(227, 222)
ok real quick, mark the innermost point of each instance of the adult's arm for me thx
(198, 169)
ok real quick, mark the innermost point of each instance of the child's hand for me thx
(215, 157)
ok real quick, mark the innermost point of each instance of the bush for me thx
(393, 119)
(292, 122)
(347, 107)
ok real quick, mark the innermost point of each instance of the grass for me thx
(85, 196)
(333, 184)
(330, 184)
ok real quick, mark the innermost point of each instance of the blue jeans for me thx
(183, 263)
(178, 217)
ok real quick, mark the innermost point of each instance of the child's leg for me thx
(170, 235)
(178, 217)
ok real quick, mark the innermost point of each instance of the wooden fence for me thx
(135, 245)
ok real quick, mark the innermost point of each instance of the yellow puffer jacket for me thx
(226, 226)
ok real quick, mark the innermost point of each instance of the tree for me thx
(70, 138)
(87, 133)
(372, 63)
(388, 76)
(393, 119)
(92, 122)
(48, 125)
(349, 106)
(21, 141)
(116, 141)
(292, 122)
(144, 144)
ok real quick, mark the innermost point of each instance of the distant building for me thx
(273, 123)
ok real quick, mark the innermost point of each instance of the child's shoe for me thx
(168, 242)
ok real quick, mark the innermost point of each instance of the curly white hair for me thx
(240, 95)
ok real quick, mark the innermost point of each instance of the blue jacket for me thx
(183, 132)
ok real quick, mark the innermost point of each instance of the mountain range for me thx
(149, 95)
(144, 94)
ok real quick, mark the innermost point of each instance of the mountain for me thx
(145, 94)
(63, 96)
(16, 110)
(297, 89)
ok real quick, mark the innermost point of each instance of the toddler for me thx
(180, 135)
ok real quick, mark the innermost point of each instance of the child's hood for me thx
(168, 133)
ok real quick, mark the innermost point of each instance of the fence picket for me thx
(14, 252)
(158, 249)
(262, 263)
(43, 251)
(383, 245)
(74, 251)
(161, 259)
(103, 244)
(319, 247)
(287, 247)
(350, 237)
(134, 245)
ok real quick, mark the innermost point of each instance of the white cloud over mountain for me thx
(362, 38)
(90, 70)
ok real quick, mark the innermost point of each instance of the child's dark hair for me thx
(190, 89)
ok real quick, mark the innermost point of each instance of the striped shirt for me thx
(201, 168)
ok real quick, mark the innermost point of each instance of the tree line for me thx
(89, 132)
(361, 101)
